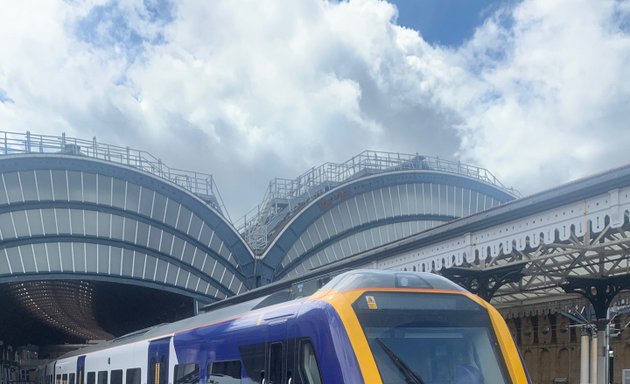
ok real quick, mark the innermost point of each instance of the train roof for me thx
(237, 306)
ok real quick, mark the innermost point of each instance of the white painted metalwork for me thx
(590, 237)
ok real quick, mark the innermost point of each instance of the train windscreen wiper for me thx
(410, 376)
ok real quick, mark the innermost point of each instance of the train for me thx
(363, 326)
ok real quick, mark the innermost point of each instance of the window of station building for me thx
(117, 377)
(102, 377)
(71, 378)
(224, 372)
(186, 374)
(133, 376)
(91, 378)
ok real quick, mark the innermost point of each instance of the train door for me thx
(158, 361)
(81, 370)
(276, 371)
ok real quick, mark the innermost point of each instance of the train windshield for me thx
(427, 338)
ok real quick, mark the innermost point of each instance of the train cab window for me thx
(224, 372)
(64, 378)
(309, 368)
(71, 378)
(102, 377)
(186, 374)
(133, 376)
(117, 377)
(91, 378)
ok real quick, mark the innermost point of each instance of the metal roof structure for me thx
(285, 197)
(580, 230)
(71, 214)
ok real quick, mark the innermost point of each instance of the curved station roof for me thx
(77, 216)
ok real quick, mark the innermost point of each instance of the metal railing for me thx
(285, 196)
(201, 184)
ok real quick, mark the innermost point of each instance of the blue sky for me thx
(537, 91)
(445, 22)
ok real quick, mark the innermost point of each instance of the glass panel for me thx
(184, 219)
(127, 262)
(6, 226)
(90, 223)
(90, 255)
(165, 244)
(12, 184)
(253, 357)
(102, 377)
(91, 378)
(103, 258)
(275, 363)
(19, 219)
(133, 196)
(154, 238)
(186, 374)
(130, 230)
(309, 368)
(195, 226)
(117, 227)
(118, 193)
(28, 185)
(59, 186)
(89, 189)
(39, 254)
(226, 372)
(104, 186)
(117, 376)
(71, 379)
(76, 220)
(146, 201)
(103, 224)
(429, 338)
(142, 234)
(171, 212)
(62, 218)
(28, 259)
(159, 206)
(76, 186)
(35, 222)
(53, 256)
(133, 376)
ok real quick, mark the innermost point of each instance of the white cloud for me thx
(253, 90)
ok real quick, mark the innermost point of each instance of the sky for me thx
(537, 91)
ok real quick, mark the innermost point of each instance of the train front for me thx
(420, 328)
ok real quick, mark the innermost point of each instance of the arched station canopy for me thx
(69, 217)
(370, 211)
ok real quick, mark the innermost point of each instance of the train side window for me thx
(133, 376)
(275, 363)
(101, 377)
(309, 368)
(64, 378)
(224, 372)
(71, 378)
(91, 378)
(58, 381)
(116, 377)
(186, 374)
(253, 357)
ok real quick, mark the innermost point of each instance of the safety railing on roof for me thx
(201, 184)
(285, 196)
